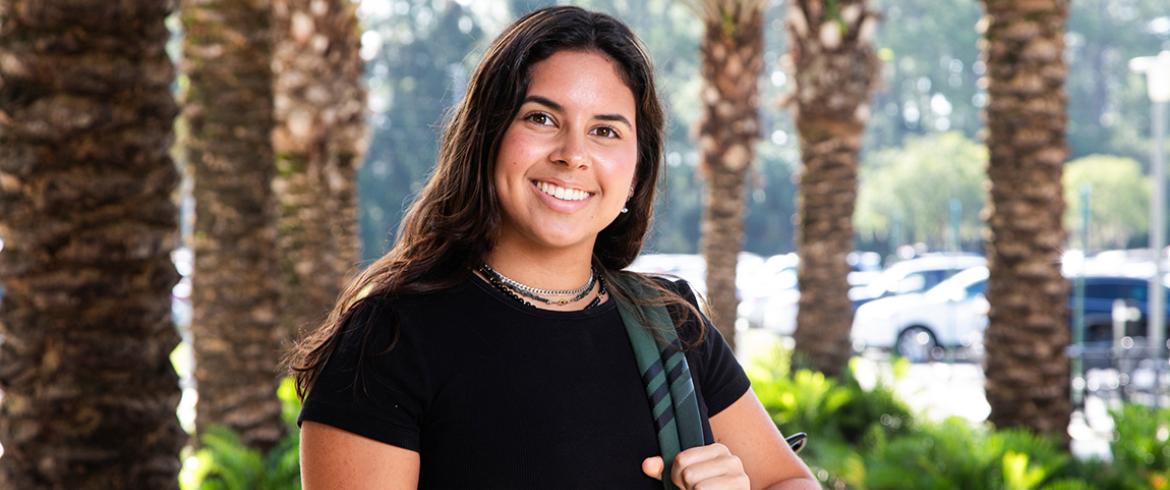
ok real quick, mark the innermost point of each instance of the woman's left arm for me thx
(749, 433)
(749, 452)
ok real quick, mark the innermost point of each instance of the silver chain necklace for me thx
(517, 285)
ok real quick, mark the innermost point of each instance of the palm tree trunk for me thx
(1027, 372)
(319, 141)
(237, 341)
(88, 225)
(732, 59)
(836, 72)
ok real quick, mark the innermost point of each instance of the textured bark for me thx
(1027, 372)
(234, 297)
(319, 140)
(88, 226)
(835, 72)
(731, 53)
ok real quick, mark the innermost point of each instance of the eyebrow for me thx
(559, 108)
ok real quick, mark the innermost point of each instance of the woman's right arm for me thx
(334, 459)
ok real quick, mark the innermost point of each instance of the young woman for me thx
(486, 349)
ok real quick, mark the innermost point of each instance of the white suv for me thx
(917, 326)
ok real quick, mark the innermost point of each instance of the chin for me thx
(562, 240)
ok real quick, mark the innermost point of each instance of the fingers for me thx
(708, 467)
(726, 482)
(701, 468)
(652, 467)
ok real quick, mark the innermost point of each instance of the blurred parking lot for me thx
(931, 310)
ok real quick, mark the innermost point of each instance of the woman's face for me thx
(566, 163)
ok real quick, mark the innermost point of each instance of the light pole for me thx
(1157, 71)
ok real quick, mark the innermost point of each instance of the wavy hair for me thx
(453, 222)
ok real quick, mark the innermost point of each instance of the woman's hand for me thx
(703, 468)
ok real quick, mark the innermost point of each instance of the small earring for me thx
(625, 209)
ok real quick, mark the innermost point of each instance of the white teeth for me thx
(561, 192)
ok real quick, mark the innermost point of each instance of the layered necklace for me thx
(556, 297)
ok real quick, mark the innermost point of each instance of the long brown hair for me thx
(453, 222)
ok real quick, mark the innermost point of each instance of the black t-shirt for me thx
(495, 394)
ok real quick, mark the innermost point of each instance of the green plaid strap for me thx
(667, 378)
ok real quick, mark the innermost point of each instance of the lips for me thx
(560, 192)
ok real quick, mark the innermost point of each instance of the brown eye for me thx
(540, 118)
(606, 132)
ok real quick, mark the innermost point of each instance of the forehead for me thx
(582, 80)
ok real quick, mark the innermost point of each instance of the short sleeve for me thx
(722, 380)
(374, 384)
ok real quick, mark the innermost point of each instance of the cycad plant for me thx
(225, 462)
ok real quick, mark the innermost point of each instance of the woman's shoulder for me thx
(410, 302)
(382, 335)
(383, 318)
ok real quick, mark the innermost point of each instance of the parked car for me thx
(777, 312)
(919, 325)
(953, 314)
(914, 276)
(1101, 291)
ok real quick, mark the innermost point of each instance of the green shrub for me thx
(225, 463)
(828, 409)
(954, 454)
(869, 439)
(837, 413)
(1141, 449)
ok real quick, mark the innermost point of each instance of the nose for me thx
(570, 151)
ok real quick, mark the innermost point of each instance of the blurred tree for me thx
(418, 73)
(520, 7)
(88, 225)
(930, 74)
(835, 72)
(1027, 372)
(1108, 105)
(227, 50)
(319, 142)
(1119, 205)
(929, 80)
(732, 56)
(916, 184)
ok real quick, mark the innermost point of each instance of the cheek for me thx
(624, 170)
(510, 159)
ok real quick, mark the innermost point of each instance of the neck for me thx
(542, 268)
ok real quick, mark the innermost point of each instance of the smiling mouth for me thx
(562, 193)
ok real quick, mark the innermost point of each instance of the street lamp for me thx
(1157, 71)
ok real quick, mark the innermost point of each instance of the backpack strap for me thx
(665, 374)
